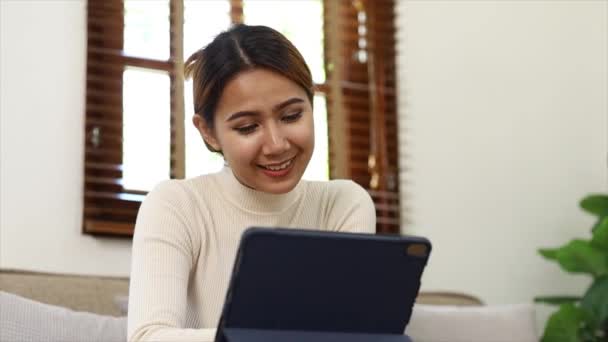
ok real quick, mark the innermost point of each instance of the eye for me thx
(292, 117)
(246, 129)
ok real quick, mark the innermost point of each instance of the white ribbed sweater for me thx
(187, 235)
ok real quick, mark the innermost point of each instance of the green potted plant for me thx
(584, 318)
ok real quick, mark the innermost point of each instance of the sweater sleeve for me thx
(163, 255)
(352, 208)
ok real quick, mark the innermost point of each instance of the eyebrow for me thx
(276, 108)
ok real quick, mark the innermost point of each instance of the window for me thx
(138, 107)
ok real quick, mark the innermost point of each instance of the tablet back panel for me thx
(285, 279)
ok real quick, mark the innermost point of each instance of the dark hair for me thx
(240, 48)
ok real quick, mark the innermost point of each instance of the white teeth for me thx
(279, 167)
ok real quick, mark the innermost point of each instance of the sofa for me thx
(51, 307)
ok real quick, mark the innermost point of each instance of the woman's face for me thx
(264, 127)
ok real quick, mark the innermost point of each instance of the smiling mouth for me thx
(278, 166)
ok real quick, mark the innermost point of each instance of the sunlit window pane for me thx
(318, 168)
(146, 30)
(146, 132)
(199, 160)
(203, 20)
(300, 21)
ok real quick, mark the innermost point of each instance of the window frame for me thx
(361, 107)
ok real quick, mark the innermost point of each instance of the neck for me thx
(247, 198)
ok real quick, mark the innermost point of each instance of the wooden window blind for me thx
(360, 91)
(361, 68)
(110, 208)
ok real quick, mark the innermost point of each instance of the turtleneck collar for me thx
(254, 200)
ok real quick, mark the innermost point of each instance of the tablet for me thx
(293, 283)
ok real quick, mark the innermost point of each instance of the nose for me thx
(275, 141)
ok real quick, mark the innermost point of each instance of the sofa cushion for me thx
(76, 292)
(23, 319)
(493, 323)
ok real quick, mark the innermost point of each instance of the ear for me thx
(206, 132)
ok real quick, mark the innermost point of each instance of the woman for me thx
(253, 97)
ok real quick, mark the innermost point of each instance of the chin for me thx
(278, 188)
(279, 185)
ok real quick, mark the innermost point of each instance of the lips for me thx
(278, 169)
(278, 166)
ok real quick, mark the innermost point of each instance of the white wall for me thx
(42, 72)
(505, 120)
(504, 114)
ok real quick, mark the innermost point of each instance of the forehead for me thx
(257, 89)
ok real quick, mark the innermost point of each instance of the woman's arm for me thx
(164, 252)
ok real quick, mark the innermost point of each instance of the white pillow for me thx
(493, 323)
(25, 320)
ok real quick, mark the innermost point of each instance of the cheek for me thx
(305, 134)
(240, 149)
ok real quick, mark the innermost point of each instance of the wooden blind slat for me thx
(384, 221)
(100, 152)
(103, 166)
(384, 194)
(102, 227)
(121, 196)
(108, 59)
(105, 122)
(104, 211)
(103, 180)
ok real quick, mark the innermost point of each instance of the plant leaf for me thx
(557, 300)
(600, 235)
(595, 300)
(596, 204)
(579, 256)
(549, 253)
(563, 325)
(597, 224)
